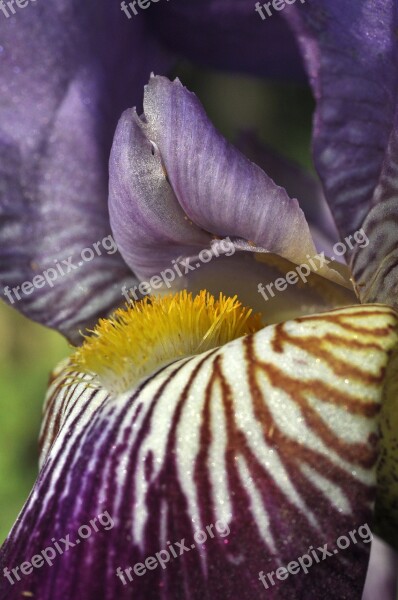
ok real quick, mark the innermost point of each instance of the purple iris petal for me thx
(351, 53)
(219, 190)
(63, 87)
(150, 226)
(299, 184)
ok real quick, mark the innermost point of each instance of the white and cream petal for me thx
(273, 437)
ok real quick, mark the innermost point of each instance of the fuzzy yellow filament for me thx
(136, 341)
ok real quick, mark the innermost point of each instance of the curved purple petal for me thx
(149, 224)
(259, 446)
(236, 38)
(376, 268)
(63, 85)
(298, 183)
(351, 52)
(217, 189)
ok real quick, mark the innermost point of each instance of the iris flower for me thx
(186, 414)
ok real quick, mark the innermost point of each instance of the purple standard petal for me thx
(351, 54)
(260, 445)
(196, 175)
(299, 184)
(150, 226)
(66, 73)
(229, 35)
(376, 267)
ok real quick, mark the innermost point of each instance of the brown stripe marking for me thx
(360, 454)
(317, 346)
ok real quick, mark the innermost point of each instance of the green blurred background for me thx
(28, 352)
(281, 116)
